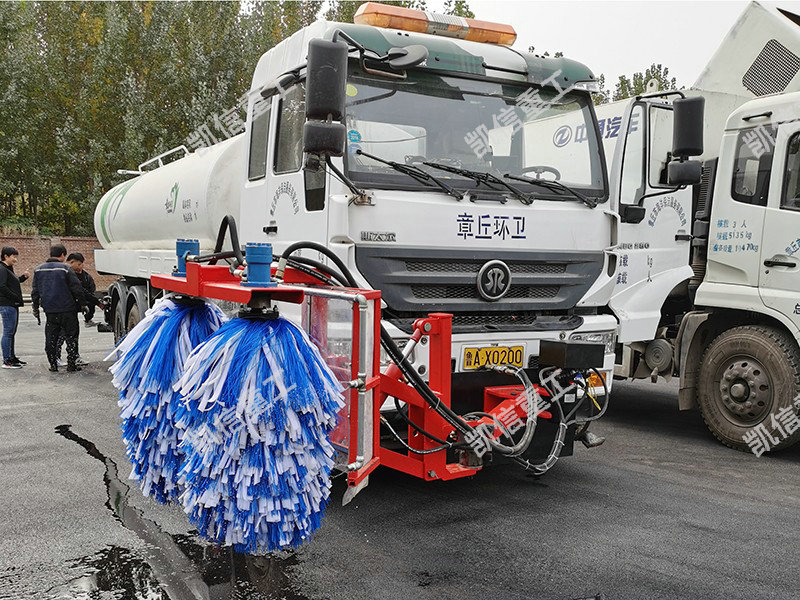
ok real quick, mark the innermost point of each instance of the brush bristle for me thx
(260, 404)
(149, 362)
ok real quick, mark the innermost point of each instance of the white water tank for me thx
(187, 198)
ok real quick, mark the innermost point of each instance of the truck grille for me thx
(471, 291)
(415, 281)
(430, 266)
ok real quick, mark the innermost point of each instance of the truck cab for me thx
(710, 294)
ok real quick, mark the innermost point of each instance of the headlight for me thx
(607, 338)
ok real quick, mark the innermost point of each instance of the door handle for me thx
(771, 262)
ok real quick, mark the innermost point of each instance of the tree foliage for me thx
(87, 88)
(628, 87)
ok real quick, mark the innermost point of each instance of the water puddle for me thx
(169, 567)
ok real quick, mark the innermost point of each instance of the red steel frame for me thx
(213, 281)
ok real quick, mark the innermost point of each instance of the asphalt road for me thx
(659, 511)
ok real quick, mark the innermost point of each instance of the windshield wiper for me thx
(554, 185)
(485, 178)
(416, 173)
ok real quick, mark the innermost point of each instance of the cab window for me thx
(790, 198)
(632, 184)
(259, 133)
(291, 118)
(754, 152)
(660, 145)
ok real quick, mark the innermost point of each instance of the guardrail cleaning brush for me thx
(260, 404)
(150, 360)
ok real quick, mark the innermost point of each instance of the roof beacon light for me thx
(409, 19)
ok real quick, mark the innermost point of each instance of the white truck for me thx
(418, 206)
(708, 284)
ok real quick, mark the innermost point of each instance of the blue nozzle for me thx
(259, 260)
(182, 249)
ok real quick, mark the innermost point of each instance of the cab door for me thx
(779, 279)
(654, 241)
(296, 198)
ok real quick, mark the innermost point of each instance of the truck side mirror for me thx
(326, 78)
(687, 127)
(687, 172)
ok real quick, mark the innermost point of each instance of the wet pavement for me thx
(659, 511)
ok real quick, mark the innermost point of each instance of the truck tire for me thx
(119, 321)
(134, 316)
(748, 375)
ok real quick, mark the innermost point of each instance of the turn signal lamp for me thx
(409, 19)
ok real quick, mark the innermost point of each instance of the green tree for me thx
(628, 87)
(458, 8)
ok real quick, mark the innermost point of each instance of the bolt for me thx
(427, 327)
(432, 473)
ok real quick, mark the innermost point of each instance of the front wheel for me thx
(749, 379)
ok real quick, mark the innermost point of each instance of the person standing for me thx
(59, 292)
(10, 303)
(75, 261)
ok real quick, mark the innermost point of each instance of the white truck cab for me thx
(709, 282)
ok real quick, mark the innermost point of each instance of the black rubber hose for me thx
(229, 224)
(351, 282)
(333, 274)
(214, 257)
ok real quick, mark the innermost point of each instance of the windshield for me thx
(483, 126)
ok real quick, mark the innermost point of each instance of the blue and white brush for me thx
(260, 404)
(149, 362)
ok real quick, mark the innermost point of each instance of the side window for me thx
(632, 186)
(751, 167)
(790, 198)
(660, 145)
(259, 133)
(289, 143)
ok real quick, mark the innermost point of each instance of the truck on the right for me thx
(707, 185)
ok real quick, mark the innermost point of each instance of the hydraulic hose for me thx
(229, 224)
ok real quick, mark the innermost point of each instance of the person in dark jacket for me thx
(59, 292)
(75, 261)
(10, 302)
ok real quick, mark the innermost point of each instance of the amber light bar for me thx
(409, 19)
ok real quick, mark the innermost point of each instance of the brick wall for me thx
(34, 250)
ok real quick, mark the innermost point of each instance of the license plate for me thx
(475, 358)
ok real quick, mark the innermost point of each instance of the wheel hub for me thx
(746, 391)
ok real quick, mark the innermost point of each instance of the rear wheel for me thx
(134, 316)
(119, 321)
(749, 378)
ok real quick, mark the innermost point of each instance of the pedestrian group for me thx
(61, 288)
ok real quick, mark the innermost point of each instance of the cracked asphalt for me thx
(659, 511)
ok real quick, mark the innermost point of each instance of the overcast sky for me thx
(616, 38)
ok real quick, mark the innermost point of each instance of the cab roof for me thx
(445, 54)
(772, 109)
